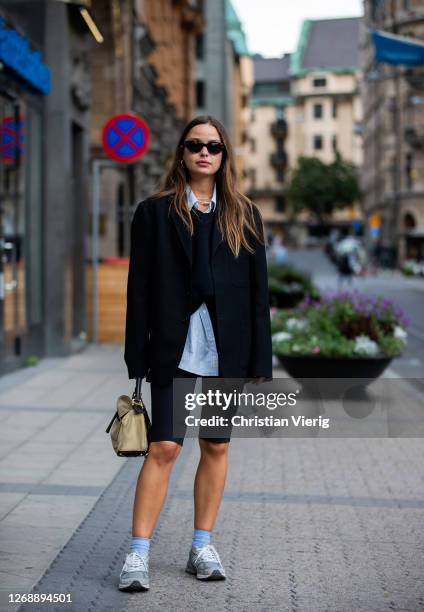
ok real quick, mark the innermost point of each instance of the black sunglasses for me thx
(195, 146)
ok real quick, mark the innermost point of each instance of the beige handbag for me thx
(130, 427)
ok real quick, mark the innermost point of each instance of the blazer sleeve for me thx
(261, 356)
(139, 293)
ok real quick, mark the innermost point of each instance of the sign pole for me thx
(95, 242)
(125, 138)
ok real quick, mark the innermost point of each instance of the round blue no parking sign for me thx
(125, 137)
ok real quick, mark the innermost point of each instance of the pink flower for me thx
(272, 311)
(316, 349)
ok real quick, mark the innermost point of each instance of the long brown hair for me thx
(235, 210)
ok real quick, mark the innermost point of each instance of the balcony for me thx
(414, 136)
(278, 159)
(279, 128)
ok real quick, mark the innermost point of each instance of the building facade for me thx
(326, 112)
(43, 179)
(267, 157)
(393, 169)
(144, 66)
(224, 75)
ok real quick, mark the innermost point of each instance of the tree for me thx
(321, 188)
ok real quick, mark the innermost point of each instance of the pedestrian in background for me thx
(345, 268)
(197, 305)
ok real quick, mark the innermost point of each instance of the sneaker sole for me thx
(134, 586)
(216, 575)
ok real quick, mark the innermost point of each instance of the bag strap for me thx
(137, 390)
(115, 416)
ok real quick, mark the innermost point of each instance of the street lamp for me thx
(83, 7)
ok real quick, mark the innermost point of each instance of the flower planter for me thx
(317, 366)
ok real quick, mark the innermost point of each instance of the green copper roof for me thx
(296, 57)
(235, 30)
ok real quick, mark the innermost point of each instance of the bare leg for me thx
(152, 486)
(209, 483)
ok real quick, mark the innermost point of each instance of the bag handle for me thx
(137, 390)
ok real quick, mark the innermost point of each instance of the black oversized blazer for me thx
(159, 298)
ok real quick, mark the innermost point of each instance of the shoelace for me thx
(137, 562)
(208, 553)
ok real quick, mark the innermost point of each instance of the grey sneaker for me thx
(205, 563)
(135, 573)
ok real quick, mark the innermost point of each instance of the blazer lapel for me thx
(217, 237)
(183, 235)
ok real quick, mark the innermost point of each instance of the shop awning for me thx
(394, 49)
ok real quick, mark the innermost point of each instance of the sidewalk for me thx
(306, 524)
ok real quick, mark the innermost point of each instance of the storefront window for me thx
(12, 220)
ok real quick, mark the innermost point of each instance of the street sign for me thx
(125, 137)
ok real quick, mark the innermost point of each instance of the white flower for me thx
(400, 334)
(364, 344)
(294, 323)
(280, 336)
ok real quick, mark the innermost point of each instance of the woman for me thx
(197, 305)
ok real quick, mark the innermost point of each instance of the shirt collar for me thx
(191, 198)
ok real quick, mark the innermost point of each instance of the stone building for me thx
(44, 114)
(393, 169)
(326, 111)
(145, 66)
(224, 75)
(267, 157)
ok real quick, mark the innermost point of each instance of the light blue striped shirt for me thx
(200, 354)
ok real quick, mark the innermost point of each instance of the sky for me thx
(272, 27)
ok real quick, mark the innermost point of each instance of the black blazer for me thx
(158, 298)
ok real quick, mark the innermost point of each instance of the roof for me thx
(271, 69)
(235, 30)
(329, 44)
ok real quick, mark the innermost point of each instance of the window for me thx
(334, 113)
(280, 175)
(200, 46)
(252, 145)
(200, 94)
(334, 142)
(280, 203)
(317, 142)
(317, 111)
(280, 145)
(253, 176)
(319, 82)
(409, 170)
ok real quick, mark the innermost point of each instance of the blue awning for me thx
(394, 49)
